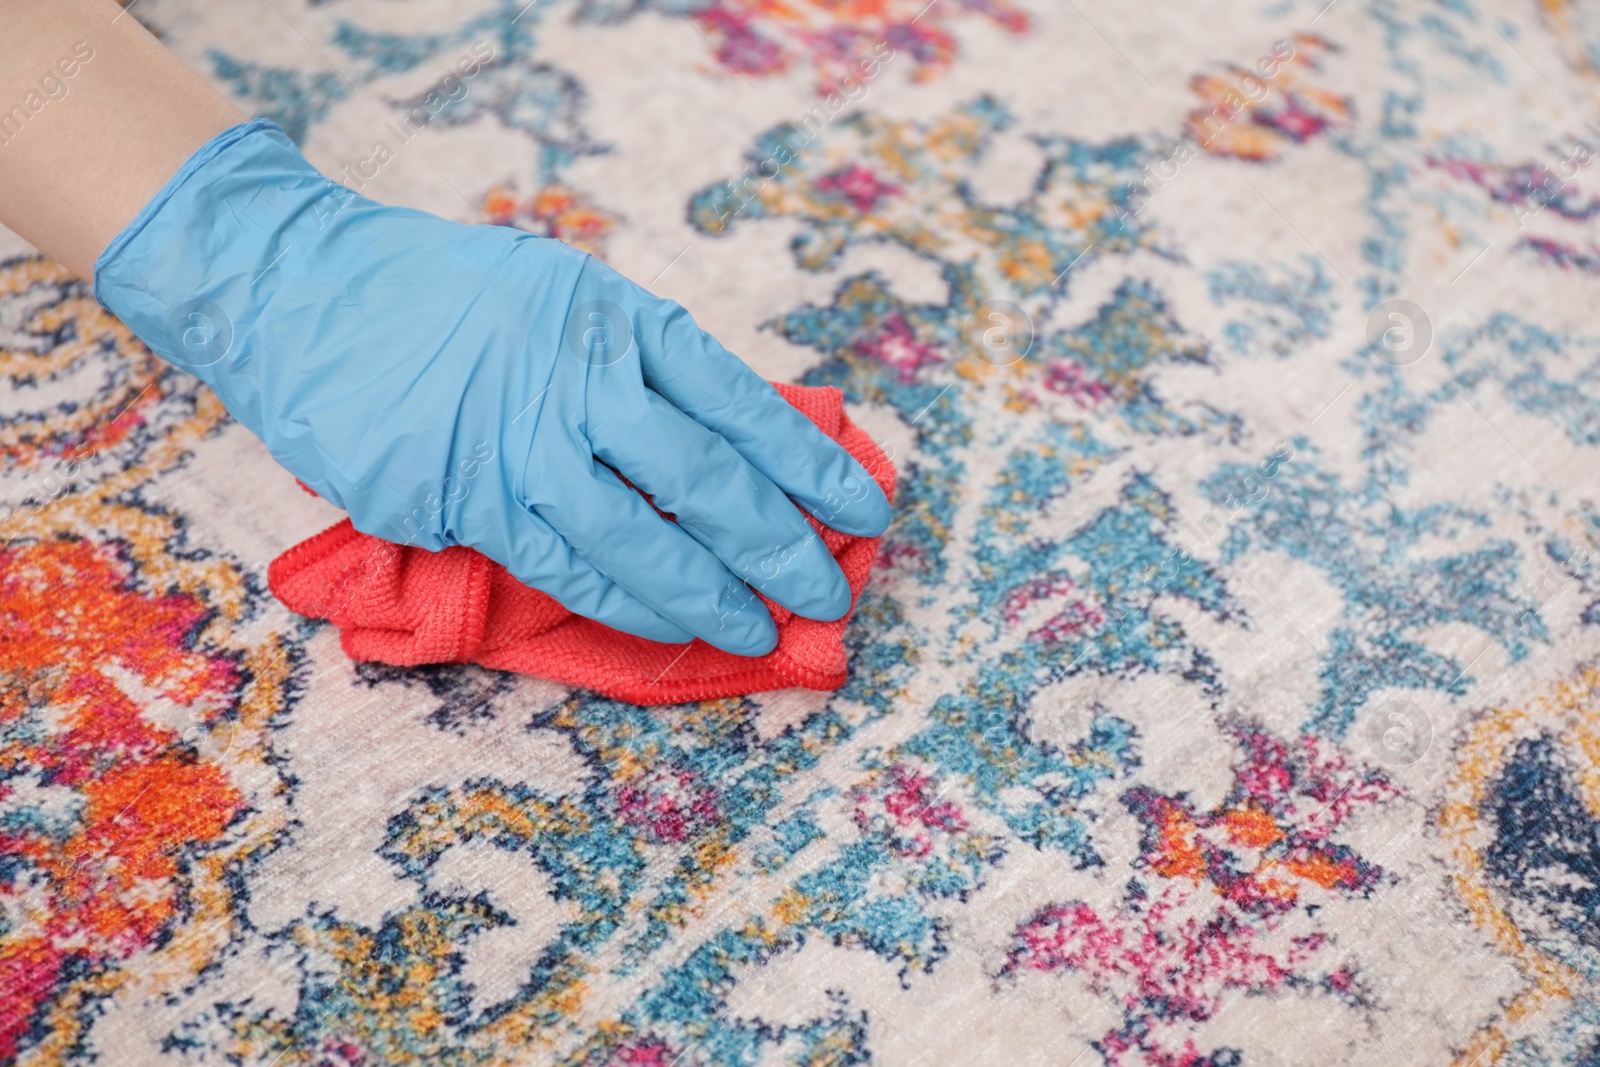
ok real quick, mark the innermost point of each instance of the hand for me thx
(454, 384)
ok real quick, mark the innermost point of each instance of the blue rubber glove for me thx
(458, 384)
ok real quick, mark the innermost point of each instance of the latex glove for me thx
(458, 384)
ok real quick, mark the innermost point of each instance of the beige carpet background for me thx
(1226, 692)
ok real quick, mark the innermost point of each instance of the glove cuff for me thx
(195, 276)
(191, 166)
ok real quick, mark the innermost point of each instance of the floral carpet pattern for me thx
(1229, 689)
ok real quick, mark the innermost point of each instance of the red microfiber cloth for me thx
(404, 605)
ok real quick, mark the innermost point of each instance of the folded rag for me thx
(405, 605)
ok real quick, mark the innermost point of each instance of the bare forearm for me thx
(95, 115)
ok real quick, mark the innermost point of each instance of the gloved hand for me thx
(459, 384)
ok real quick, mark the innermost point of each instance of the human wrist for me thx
(100, 116)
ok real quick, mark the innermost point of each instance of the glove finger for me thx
(619, 533)
(539, 557)
(723, 502)
(714, 387)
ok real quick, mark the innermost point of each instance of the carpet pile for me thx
(1226, 690)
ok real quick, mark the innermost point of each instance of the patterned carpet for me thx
(1227, 690)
